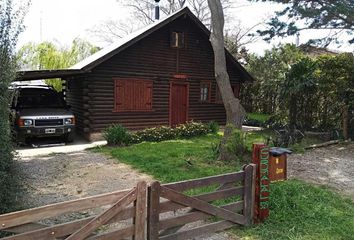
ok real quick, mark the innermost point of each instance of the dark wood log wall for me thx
(75, 98)
(151, 58)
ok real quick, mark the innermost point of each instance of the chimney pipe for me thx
(157, 10)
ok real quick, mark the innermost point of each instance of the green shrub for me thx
(214, 127)
(117, 135)
(237, 144)
(11, 17)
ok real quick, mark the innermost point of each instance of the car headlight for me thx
(25, 122)
(69, 121)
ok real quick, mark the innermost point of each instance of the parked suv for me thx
(40, 111)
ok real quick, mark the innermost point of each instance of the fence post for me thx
(140, 211)
(153, 211)
(249, 193)
(260, 157)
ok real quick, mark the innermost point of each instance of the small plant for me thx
(237, 144)
(214, 127)
(117, 135)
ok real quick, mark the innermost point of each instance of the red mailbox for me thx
(278, 164)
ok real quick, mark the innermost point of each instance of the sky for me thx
(61, 21)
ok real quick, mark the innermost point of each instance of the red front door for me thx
(178, 103)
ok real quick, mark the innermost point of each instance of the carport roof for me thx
(47, 74)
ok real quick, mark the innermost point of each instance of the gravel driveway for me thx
(332, 166)
(60, 177)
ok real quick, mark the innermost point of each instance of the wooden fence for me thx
(168, 217)
(163, 210)
(128, 204)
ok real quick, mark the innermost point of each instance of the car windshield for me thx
(39, 98)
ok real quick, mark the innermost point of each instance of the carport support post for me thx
(260, 157)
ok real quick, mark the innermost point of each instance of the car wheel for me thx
(68, 138)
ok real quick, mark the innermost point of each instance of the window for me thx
(235, 90)
(177, 39)
(133, 95)
(205, 91)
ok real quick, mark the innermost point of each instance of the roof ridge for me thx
(122, 41)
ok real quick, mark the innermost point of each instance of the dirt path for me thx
(332, 166)
(60, 177)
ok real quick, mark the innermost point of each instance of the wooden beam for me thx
(140, 211)
(153, 212)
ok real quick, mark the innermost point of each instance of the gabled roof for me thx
(97, 58)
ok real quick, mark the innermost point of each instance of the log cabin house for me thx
(162, 74)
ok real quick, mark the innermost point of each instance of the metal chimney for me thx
(157, 10)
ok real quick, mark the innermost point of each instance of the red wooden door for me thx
(178, 103)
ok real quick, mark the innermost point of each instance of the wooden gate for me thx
(217, 203)
(124, 205)
(172, 206)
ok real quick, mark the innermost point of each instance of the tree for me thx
(336, 74)
(234, 110)
(143, 14)
(47, 55)
(270, 72)
(143, 10)
(299, 89)
(112, 30)
(10, 26)
(237, 39)
(298, 15)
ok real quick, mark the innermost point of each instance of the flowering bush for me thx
(118, 135)
(192, 129)
(155, 134)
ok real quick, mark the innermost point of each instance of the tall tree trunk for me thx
(235, 113)
(345, 117)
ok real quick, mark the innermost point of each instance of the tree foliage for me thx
(47, 55)
(10, 26)
(306, 93)
(270, 73)
(298, 15)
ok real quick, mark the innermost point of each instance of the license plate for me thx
(49, 130)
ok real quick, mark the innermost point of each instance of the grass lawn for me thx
(261, 117)
(177, 160)
(299, 211)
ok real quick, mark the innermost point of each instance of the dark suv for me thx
(40, 111)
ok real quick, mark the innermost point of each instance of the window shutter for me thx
(148, 95)
(133, 95)
(119, 95)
